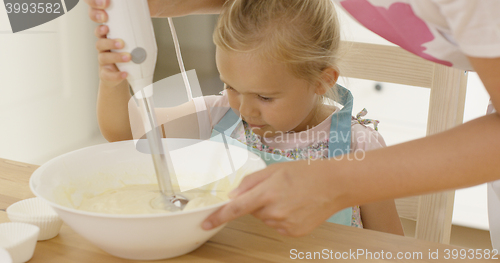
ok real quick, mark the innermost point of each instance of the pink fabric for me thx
(398, 24)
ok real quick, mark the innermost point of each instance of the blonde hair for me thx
(303, 34)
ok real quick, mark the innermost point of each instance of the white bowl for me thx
(37, 212)
(65, 180)
(19, 239)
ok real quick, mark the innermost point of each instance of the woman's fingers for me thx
(249, 197)
(289, 197)
(106, 58)
(245, 204)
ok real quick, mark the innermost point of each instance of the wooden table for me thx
(242, 240)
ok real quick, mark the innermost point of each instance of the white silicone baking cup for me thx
(37, 212)
(19, 239)
(5, 256)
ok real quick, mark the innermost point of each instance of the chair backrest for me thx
(433, 212)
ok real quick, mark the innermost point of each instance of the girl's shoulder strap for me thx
(228, 123)
(340, 130)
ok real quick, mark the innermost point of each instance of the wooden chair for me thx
(392, 64)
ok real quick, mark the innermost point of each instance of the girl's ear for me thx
(329, 77)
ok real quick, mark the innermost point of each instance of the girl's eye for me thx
(265, 98)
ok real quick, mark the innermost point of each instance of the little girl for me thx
(279, 62)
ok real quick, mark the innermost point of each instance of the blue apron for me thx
(339, 141)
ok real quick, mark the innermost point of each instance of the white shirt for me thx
(443, 31)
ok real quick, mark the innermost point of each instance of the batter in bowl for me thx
(136, 199)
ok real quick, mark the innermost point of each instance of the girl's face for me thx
(267, 95)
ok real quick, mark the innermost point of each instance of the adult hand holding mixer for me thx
(130, 21)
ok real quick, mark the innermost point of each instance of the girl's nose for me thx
(247, 108)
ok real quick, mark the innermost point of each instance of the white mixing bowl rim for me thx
(40, 169)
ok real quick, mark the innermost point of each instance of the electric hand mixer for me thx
(130, 21)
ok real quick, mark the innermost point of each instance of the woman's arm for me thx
(172, 8)
(161, 8)
(460, 157)
(463, 156)
(488, 70)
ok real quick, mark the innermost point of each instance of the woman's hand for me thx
(98, 13)
(292, 197)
